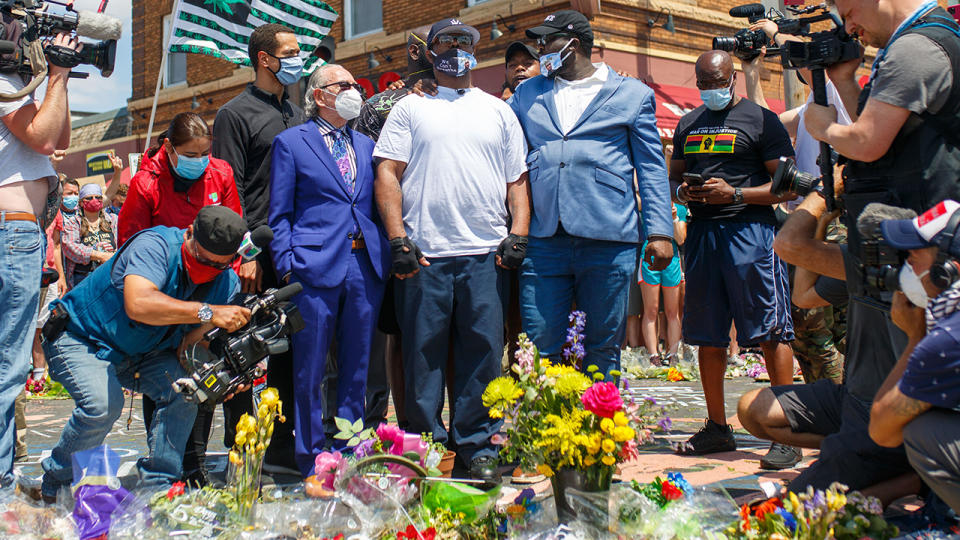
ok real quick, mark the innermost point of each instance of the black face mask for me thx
(180, 184)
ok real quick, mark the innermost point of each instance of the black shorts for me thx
(847, 454)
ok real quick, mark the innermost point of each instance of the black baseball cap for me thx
(566, 21)
(219, 230)
(452, 26)
(519, 46)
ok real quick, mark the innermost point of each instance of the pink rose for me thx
(602, 399)
(326, 467)
(389, 434)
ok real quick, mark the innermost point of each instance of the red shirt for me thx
(152, 200)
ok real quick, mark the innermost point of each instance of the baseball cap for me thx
(519, 46)
(925, 230)
(565, 21)
(219, 230)
(452, 26)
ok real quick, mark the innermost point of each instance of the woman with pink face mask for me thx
(89, 239)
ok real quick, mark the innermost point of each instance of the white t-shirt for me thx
(572, 97)
(806, 148)
(18, 162)
(461, 152)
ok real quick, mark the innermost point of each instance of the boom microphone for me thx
(98, 26)
(868, 224)
(747, 11)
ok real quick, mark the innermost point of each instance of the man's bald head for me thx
(714, 66)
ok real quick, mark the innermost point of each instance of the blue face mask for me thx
(454, 62)
(191, 168)
(291, 69)
(717, 99)
(550, 63)
(70, 202)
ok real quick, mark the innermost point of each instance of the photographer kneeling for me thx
(121, 328)
(919, 404)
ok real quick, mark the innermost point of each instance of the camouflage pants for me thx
(821, 332)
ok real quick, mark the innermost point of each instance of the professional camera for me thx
(234, 359)
(880, 264)
(25, 32)
(823, 49)
(790, 179)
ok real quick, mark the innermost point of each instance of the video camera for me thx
(234, 359)
(25, 32)
(823, 49)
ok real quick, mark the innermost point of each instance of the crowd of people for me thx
(430, 224)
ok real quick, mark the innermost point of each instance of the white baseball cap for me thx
(923, 230)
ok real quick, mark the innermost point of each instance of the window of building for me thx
(362, 17)
(176, 72)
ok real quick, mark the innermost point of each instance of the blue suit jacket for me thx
(311, 213)
(584, 178)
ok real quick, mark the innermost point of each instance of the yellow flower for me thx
(623, 433)
(609, 461)
(270, 397)
(495, 413)
(837, 501)
(240, 438)
(235, 457)
(794, 501)
(589, 461)
(247, 423)
(545, 470)
(620, 419)
(607, 425)
(501, 393)
(572, 384)
(609, 445)
(556, 371)
(593, 444)
(263, 411)
(598, 376)
(674, 375)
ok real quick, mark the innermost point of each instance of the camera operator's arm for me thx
(805, 294)
(751, 75)
(867, 139)
(46, 128)
(796, 245)
(777, 39)
(891, 409)
(145, 304)
(844, 79)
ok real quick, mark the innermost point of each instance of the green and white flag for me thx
(222, 28)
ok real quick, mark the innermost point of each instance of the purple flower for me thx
(650, 400)
(364, 449)
(665, 423)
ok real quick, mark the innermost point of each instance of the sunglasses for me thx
(345, 85)
(543, 40)
(92, 197)
(212, 264)
(448, 39)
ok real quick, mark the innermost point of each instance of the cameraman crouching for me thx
(121, 328)
(919, 404)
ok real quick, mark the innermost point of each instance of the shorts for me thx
(847, 454)
(732, 274)
(671, 276)
(47, 295)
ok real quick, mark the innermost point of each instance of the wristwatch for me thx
(737, 196)
(205, 313)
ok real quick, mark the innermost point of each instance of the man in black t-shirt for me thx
(732, 272)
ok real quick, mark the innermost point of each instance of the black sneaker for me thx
(780, 456)
(485, 468)
(711, 438)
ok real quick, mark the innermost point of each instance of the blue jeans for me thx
(22, 246)
(596, 274)
(458, 299)
(96, 386)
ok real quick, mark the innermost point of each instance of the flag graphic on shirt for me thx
(721, 143)
(222, 28)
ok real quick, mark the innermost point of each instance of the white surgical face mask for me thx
(348, 103)
(912, 286)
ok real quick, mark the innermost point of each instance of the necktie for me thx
(343, 159)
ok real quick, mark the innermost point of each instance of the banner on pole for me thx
(222, 28)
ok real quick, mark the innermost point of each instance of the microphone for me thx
(747, 10)
(98, 26)
(868, 223)
(7, 47)
(254, 242)
(288, 292)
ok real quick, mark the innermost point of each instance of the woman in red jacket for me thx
(176, 179)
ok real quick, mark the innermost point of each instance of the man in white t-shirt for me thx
(453, 169)
(28, 134)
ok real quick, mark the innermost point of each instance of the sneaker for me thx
(655, 360)
(671, 360)
(521, 476)
(780, 456)
(484, 468)
(711, 438)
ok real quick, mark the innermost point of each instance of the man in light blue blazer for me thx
(327, 236)
(589, 131)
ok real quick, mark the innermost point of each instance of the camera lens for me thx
(789, 178)
(728, 44)
(101, 56)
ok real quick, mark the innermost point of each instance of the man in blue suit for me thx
(589, 131)
(328, 237)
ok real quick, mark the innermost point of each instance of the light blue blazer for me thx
(584, 178)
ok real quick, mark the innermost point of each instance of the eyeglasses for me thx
(92, 197)
(345, 85)
(448, 39)
(543, 40)
(212, 264)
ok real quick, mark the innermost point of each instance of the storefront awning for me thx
(675, 101)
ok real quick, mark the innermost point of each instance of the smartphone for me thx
(692, 179)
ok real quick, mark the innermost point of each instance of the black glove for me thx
(64, 57)
(512, 251)
(405, 261)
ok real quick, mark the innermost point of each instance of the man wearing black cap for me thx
(590, 131)
(451, 169)
(522, 63)
(122, 327)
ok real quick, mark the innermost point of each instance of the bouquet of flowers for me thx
(561, 418)
(251, 442)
